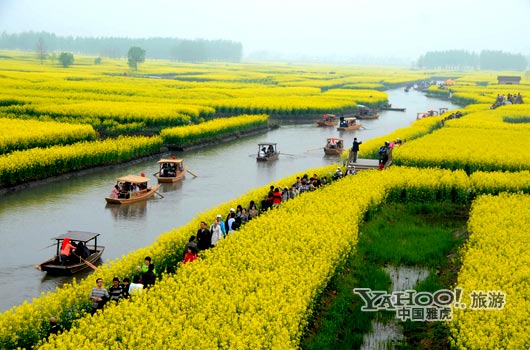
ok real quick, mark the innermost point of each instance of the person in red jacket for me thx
(191, 255)
(276, 197)
(66, 250)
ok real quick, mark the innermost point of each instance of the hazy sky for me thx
(399, 28)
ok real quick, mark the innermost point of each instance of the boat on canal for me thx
(87, 254)
(267, 152)
(348, 124)
(364, 112)
(334, 146)
(327, 120)
(390, 108)
(130, 189)
(171, 170)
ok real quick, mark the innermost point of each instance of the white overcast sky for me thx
(398, 28)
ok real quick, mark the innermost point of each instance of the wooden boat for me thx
(364, 112)
(430, 113)
(348, 124)
(394, 109)
(76, 262)
(132, 188)
(334, 146)
(267, 151)
(327, 120)
(171, 170)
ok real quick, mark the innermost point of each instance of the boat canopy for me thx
(269, 147)
(135, 179)
(173, 161)
(334, 139)
(350, 118)
(80, 236)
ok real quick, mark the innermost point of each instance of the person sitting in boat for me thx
(270, 151)
(82, 250)
(115, 192)
(136, 189)
(66, 250)
(164, 170)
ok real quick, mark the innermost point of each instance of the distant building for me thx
(508, 79)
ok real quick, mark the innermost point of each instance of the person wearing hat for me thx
(351, 170)
(338, 174)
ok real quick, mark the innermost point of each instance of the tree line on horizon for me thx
(199, 50)
(462, 59)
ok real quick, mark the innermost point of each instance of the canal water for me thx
(30, 218)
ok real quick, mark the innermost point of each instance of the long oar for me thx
(314, 149)
(94, 267)
(191, 173)
(51, 245)
(161, 196)
(156, 173)
(288, 154)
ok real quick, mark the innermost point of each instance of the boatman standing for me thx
(352, 158)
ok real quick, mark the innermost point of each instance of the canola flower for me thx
(257, 296)
(184, 135)
(27, 323)
(264, 248)
(36, 163)
(98, 94)
(471, 149)
(23, 134)
(495, 259)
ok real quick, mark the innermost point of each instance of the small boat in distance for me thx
(348, 124)
(390, 108)
(327, 120)
(267, 151)
(130, 189)
(85, 255)
(334, 146)
(171, 170)
(364, 112)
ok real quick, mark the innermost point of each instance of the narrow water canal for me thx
(29, 218)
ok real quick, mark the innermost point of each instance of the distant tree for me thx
(97, 61)
(41, 50)
(135, 55)
(66, 59)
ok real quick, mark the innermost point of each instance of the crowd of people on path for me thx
(503, 100)
(120, 290)
(455, 115)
